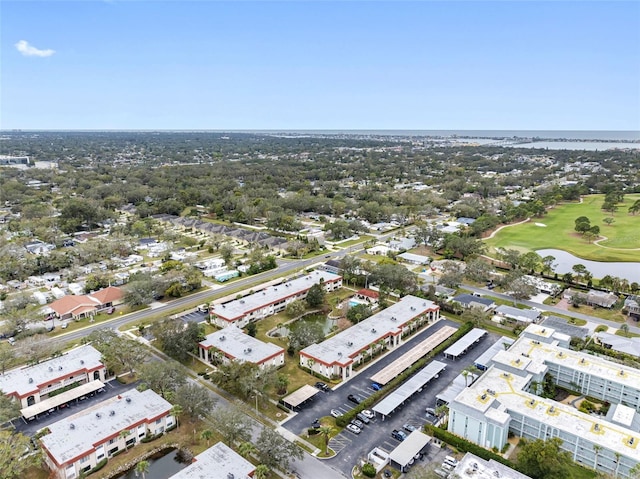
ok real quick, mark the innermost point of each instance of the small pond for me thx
(565, 261)
(162, 465)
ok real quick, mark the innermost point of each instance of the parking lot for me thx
(193, 317)
(350, 446)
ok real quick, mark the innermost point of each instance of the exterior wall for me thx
(209, 355)
(44, 391)
(477, 430)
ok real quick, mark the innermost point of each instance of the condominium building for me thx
(78, 372)
(505, 400)
(76, 444)
(231, 344)
(336, 356)
(271, 300)
(217, 462)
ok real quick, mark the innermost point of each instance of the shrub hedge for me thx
(466, 446)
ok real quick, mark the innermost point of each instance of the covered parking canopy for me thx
(464, 343)
(62, 398)
(299, 396)
(406, 452)
(409, 388)
(405, 361)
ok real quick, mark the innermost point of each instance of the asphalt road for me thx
(377, 433)
(551, 309)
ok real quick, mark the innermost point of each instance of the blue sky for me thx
(320, 65)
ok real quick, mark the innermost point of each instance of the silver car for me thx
(353, 428)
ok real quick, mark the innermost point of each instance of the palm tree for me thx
(618, 457)
(207, 434)
(624, 329)
(596, 452)
(261, 472)
(123, 435)
(176, 410)
(325, 432)
(142, 468)
(246, 449)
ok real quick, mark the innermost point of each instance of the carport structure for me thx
(405, 361)
(407, 452)
(299, 396)
(32, 411)
(409, 388)
(464, 343)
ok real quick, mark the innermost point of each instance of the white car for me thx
(353, 428)
(368, 413)
(336, 413)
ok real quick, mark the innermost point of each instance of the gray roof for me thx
(27, 380)
(524, 315)
(409, 448)
(217, 462)
(620, 343)
(345, 345)
(238, 308)
(409, 388)
(414, 258)
(465, 342)
(238, 345)
(469, 299)
(75, 436)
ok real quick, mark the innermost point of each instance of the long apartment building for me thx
(271, 300)
(504, 400)
(37, 388)
(336, 356)
(76, 444)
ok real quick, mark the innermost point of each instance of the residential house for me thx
(632, 306)
(471, 301)
(77, 307)
(519, 315)
(592, 298)
(414, 258)
(39, 247)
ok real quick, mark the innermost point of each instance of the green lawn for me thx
(622, 241)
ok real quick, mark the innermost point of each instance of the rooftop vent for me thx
(82, 361)
(30, 380)
(583, 361)
(242, 301)
(483, 397)
(247, 351)
(222, 338)
(50, 368)
(128, 399)
(413, 308)
(560, 354)
(393, 318)
(552, 409)
(373, 330)
(631, 441)
(543, 330)
(72, 426)
(621, 372)
(98, 415)
(349, 343)
(230, 475)
(264, 293)
(596, 427)
(112, 413)
(532, 402)
(59, 368)
(339, 353)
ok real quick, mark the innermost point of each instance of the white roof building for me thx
(233, 344)
(217, 462)
(337, 355)
(504, 400)
(77, 443)
(272, 299)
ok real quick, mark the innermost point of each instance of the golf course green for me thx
(619, 241)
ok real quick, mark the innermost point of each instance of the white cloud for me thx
(30, 51)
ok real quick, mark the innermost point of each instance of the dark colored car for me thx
(399, 435)
(353, 399)
(322, 386)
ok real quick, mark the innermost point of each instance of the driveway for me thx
(377, 433)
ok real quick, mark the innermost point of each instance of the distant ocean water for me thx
(547, 134)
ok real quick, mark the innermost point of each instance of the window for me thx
(84, 459)
(111, 441)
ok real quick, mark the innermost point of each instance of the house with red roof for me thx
(81, 306)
